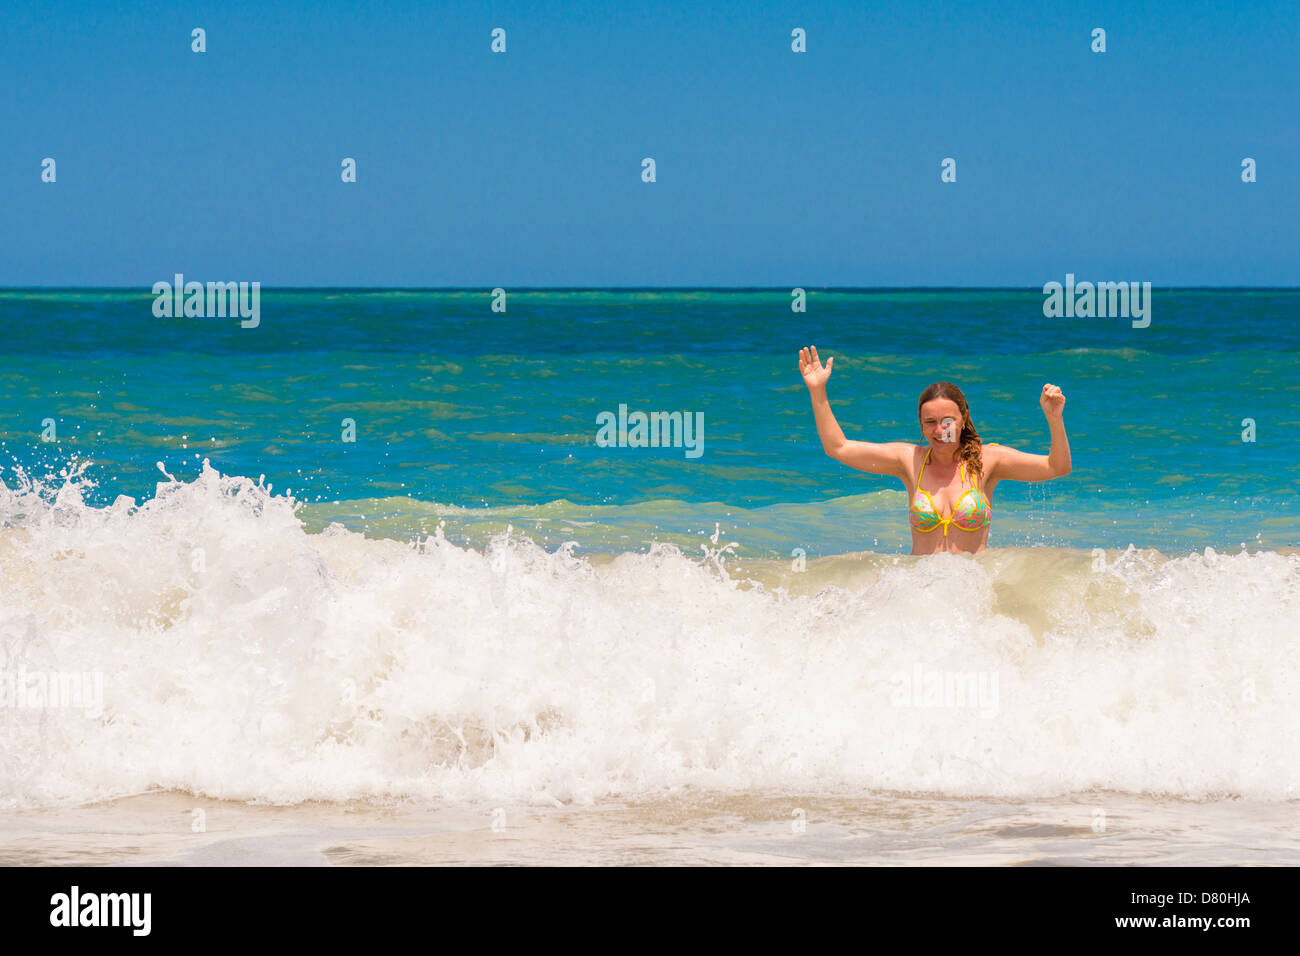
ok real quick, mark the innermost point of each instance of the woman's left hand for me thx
(1052, 400)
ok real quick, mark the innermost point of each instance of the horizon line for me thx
(641, 288)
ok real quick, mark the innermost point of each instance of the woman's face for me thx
(941, 421)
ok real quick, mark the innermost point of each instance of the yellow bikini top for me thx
(971, 512)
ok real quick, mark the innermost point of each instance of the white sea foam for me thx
(244, 658)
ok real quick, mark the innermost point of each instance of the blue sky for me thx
(774, 168)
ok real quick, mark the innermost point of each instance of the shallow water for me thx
(690, 828)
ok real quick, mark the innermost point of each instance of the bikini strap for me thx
(922, 471)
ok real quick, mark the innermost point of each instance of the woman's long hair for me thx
(971, 449)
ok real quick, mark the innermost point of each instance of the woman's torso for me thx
(948, 489)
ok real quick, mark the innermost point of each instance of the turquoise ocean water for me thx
(306, 618)
(481, 419)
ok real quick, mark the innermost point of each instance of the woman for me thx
(949, 484)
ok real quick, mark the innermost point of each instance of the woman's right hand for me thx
(814, 373)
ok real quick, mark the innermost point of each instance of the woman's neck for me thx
(945, 454)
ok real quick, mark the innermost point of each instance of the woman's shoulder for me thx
(990, 452)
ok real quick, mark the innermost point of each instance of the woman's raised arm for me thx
(1022, 466)
(879, 459)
